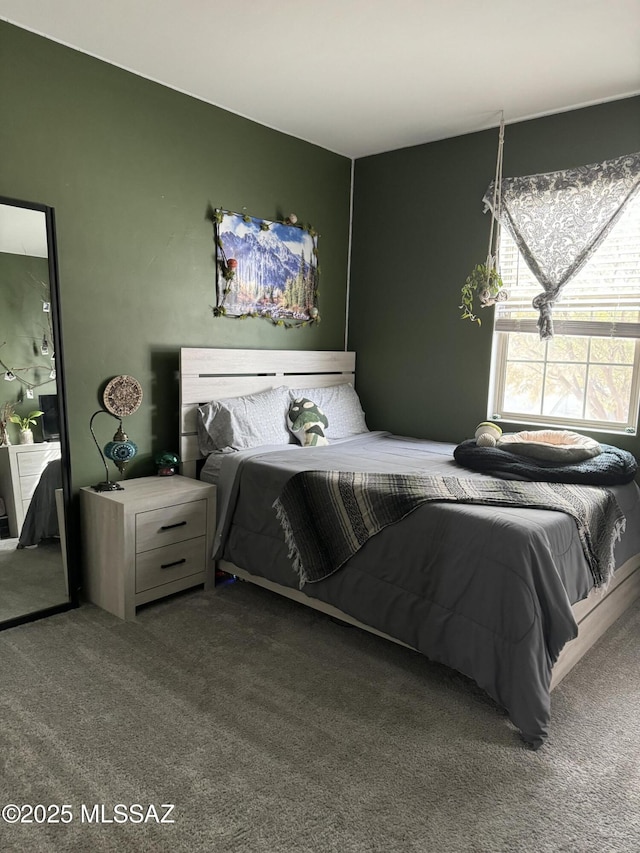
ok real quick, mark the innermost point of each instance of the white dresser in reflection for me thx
(20, 468)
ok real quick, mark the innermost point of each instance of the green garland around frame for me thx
(228, 272)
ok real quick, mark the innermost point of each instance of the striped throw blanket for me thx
(328, 515)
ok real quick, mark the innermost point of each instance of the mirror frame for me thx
(71, 545)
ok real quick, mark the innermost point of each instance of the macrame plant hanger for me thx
(485, 281)
(493, 255)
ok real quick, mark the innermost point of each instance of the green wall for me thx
(24, 285)
(418, 230)
(131, 168)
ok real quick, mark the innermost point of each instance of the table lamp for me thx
(122, 396)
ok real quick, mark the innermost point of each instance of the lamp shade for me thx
(120, 450)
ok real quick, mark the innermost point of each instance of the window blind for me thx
(603, 299)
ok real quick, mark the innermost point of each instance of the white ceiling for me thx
(23, 231)
(362, 76)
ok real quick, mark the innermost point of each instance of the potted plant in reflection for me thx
(26, 433)
(5, 414)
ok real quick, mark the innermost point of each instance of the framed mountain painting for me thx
(266, 269)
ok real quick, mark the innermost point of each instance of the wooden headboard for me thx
(209, 374)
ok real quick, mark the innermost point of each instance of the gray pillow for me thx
(340, 404)
(238, 423)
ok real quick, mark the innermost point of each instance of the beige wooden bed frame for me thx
(210, 374)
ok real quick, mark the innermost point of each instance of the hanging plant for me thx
(484, 282)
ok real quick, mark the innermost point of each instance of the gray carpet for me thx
(30, 578)
(275, 730)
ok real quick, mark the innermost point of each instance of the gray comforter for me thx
(485, 590)
(327, 516)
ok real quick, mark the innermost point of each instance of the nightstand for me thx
(147, 541)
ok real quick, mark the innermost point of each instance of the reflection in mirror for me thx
(33, 566)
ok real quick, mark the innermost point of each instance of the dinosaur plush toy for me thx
(307, 422)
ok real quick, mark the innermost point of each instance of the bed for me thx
(502, 594)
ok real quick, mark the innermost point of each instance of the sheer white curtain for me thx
(559, 219)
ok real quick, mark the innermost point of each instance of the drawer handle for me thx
(171, 526)
(171, 565)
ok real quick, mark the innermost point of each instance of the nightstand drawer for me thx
(163, 565)
(159, 527)
(31, 463)
(28, 487)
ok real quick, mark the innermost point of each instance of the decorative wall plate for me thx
(122, 396)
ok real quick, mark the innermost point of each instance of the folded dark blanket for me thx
(612, 467)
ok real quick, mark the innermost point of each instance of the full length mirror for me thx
(34, 469)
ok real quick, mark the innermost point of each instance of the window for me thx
(588, 374)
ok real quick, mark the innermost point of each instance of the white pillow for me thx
(238, 423)
(341, 405)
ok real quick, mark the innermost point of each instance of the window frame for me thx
(496, 410)
(590, 328)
